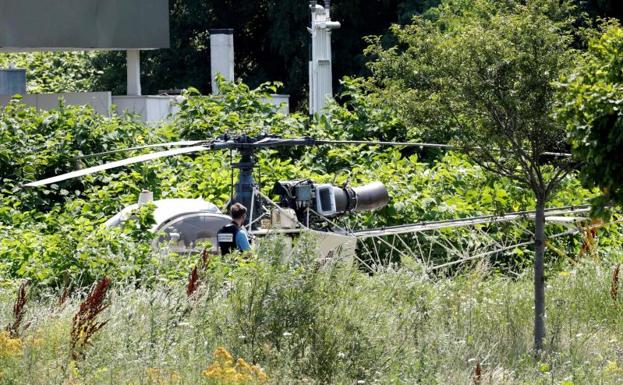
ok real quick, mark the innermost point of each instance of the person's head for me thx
(238, 213)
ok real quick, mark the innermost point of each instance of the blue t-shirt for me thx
(242, 241)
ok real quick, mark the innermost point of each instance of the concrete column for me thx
(133, 64)
(221, 55)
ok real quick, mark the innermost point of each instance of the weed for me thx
(193, 282)
(84, 324)
(19, 309)
(614, 283)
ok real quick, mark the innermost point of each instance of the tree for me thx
(603, 8)
(271, 42)
(482, 74)
(593, 99)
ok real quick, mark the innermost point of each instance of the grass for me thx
(307, 324)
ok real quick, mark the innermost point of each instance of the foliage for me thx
(54, 236)
(237, 110)
(483, 74)
(603, 8)
(271, 43)
(54, 72)
(362, 115)
(336, 324)
(591, 106)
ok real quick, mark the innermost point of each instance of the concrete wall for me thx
(281, 101)
(97, 24)
(100, 101)
(151, 109)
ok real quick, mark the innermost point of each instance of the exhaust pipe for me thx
(368, 197)
(329, 200)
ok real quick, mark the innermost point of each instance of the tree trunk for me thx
(539, 281)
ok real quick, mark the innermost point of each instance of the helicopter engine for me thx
(328, 200)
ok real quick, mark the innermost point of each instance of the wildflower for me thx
(225, 371)
(159, 376)
(612, 368)
(9, 346)
(287, 334)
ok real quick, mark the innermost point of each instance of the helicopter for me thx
(302, 205)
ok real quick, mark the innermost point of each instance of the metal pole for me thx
(245, 184)
(320, 76)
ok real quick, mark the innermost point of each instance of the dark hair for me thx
(237, 211)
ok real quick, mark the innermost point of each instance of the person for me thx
(232, 236)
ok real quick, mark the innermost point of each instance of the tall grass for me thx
(309, 324)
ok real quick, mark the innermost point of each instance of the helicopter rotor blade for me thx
(119, 163)
(416, 144)
(382, 143)
(182, 143)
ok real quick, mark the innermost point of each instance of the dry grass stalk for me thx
(478, 374)
(193, 282)
(84, 324)
(614, 283)
(19, 309)
(64, 296)
(205, 259)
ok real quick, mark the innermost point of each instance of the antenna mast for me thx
(320, 76)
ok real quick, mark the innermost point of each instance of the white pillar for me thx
(221, 55)
(320, 75)
(133, 64)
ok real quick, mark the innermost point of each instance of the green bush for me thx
(591, 107)
(54, 72)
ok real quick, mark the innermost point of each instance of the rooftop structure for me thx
(127, 25)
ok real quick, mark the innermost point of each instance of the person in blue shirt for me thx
(233, 236)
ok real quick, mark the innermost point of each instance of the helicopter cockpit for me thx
(183, 225)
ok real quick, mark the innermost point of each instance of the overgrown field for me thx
(83, 304)
(301, 323)
(287, 319)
